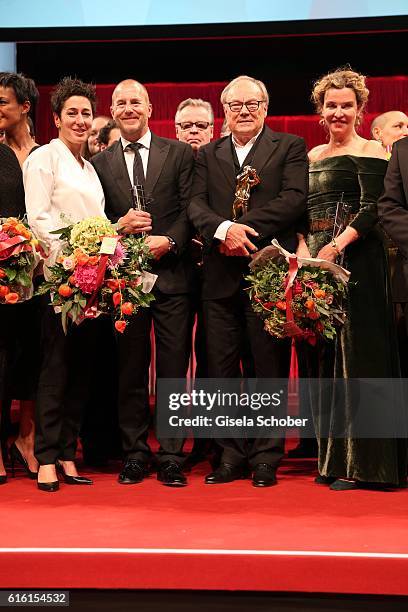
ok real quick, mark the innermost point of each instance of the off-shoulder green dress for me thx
(366, 345)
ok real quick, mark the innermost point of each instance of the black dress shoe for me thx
(171, 474)
(50, 487)
(134, 471)
(226, 472)
(72, 480)
(264, 475)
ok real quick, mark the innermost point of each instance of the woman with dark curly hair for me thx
(350, 168)
(60, 184)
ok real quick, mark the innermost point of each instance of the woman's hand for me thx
(328, 252)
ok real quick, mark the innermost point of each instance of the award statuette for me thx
(245, 181)
(139, 199)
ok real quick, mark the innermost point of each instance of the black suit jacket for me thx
(275, 205)
(168, 184)
(392, 205)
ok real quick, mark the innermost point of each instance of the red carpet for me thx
(294, 537)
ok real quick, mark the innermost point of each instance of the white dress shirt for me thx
(145, 140)
(241, 151)
(58, 191)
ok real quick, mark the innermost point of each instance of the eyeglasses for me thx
(251, 105)
(187, 125)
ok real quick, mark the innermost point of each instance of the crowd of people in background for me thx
(200, 256)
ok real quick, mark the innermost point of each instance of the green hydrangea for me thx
(87, 234)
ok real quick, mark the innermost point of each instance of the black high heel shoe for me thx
(49, 487)
(17, 457)
(3, 479)
(72, 480)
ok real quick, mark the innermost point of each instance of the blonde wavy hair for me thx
(338, 79)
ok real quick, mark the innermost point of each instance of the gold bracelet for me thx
(335, 246)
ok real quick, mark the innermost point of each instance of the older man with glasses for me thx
(194, 122)
(275, 206)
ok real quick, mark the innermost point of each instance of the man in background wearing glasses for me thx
(194, 122)
(275, 206)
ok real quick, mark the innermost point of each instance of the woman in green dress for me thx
(350, 168)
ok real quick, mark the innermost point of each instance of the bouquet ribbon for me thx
(6, 245)
(91, 310)
(290, 327)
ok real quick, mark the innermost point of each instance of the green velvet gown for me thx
(366, 345)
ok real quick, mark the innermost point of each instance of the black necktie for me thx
(138, 172)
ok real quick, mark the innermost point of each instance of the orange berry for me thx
(112, 284)
(12, 298)
(281, 305)
(320, 293)
(127, 308)
(2, 273)
(65, 290)
(310, 304)
(120, 326)
(116, 298)
(4, 290)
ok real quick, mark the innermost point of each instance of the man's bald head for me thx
(126, 84)
(389, 127)
(131, 109)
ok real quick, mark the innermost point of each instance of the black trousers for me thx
(226, 320)
(64, 385)
(171, 318)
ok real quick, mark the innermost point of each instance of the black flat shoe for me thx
(344, 485)
(3, 479)
(226, 472)
(264, 475)
(325, 480)
(17, 457)
(171, 474)
(72, 480)
(50, 487)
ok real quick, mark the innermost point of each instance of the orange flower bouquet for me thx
(99, 271)
(20, 254)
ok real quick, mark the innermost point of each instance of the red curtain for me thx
(386, 93)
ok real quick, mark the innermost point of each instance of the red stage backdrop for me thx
(386, 93)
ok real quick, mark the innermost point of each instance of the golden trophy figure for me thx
(245, 181)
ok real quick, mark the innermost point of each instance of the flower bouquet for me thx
(20, 253)
(297, 297)
(99, 271)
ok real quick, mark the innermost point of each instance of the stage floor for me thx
(295, 537)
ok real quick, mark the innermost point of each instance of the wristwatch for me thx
(172, 245)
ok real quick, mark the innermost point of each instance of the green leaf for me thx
(23, 278)
(11, 273)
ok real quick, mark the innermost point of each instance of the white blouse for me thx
(58, 192)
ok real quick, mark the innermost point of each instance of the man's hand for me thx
(237, 243)
(302, 249)
(135, 222)
(158, 245)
